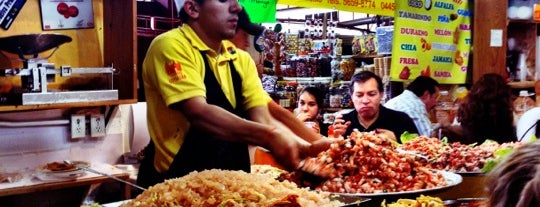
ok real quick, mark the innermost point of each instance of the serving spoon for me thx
(101, 173)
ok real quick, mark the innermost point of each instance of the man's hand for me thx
(287, 148)
(316, 147)
(340, 126)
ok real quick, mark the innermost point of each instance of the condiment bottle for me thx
(522, 104)
(445, 109)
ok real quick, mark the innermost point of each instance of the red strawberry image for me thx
(73, 11)
(67, 11)
(62, 8)
(405, 73)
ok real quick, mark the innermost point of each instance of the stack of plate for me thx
(59, 170)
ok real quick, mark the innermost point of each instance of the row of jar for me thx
(323, 66)
(334, 96)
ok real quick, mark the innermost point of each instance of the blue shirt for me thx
(411, 104)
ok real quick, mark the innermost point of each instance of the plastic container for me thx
(460, 93)
(522, 104)
(335, 97)
(520, 9)
(522, 69)
(290, 93)
(536, 11)
(537, 91)
(384, 40)
(445, 110)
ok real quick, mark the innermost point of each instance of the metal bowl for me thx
(32, 44)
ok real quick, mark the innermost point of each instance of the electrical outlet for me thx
(97, 125)
(78, 126)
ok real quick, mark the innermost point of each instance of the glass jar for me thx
(346, 101)
(347, 66)
(522, 104)
(335, 97)
(335, 65)
(520, 9)
(445, 110)
(281, 94)
(290, 93)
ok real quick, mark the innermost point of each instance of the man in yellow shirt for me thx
(205, 101)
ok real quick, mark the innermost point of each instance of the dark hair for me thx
(422, 84)
(364, 76)
(515, 182)
(315, 92)
(184, 17)
(487, 111)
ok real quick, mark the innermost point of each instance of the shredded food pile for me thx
(367, 162)
(223, 188)
(456, 157)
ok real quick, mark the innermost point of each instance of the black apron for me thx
(200, 151)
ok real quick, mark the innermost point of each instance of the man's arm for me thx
(227, 126)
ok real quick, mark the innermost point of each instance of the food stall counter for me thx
(35, 183)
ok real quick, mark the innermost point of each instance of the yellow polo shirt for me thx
(173, 71)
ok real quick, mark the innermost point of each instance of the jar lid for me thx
(525, 93)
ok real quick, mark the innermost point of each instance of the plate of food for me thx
(464, 159)
(369, 165)
(55, 169)
(452, 179)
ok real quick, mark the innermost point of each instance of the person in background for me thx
(247, 30)
(417, 100)
(527, 125)
(204, 100)
(310, 102)
(485, 113)
(515, 182)
(369, 114)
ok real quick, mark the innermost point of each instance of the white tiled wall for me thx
(24, 148)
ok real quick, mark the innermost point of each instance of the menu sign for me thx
(66, 14)
(9, 9)
(431, 38)
(380, 7)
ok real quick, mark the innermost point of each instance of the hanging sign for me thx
(379, 7)
(66, 14)
(260, 11)
(9, 9)
(431, 38)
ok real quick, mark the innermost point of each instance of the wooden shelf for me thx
(529, 21)
(335, 109)
(65, 105)
(30, 185)
(521, 84)
(116, 23)
(367, 56)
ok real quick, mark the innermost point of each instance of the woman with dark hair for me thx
(310, 104)
(486, 113)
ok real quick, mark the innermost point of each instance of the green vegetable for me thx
(406, 137)
(499, 155)
(444, 140)
(225, 202)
